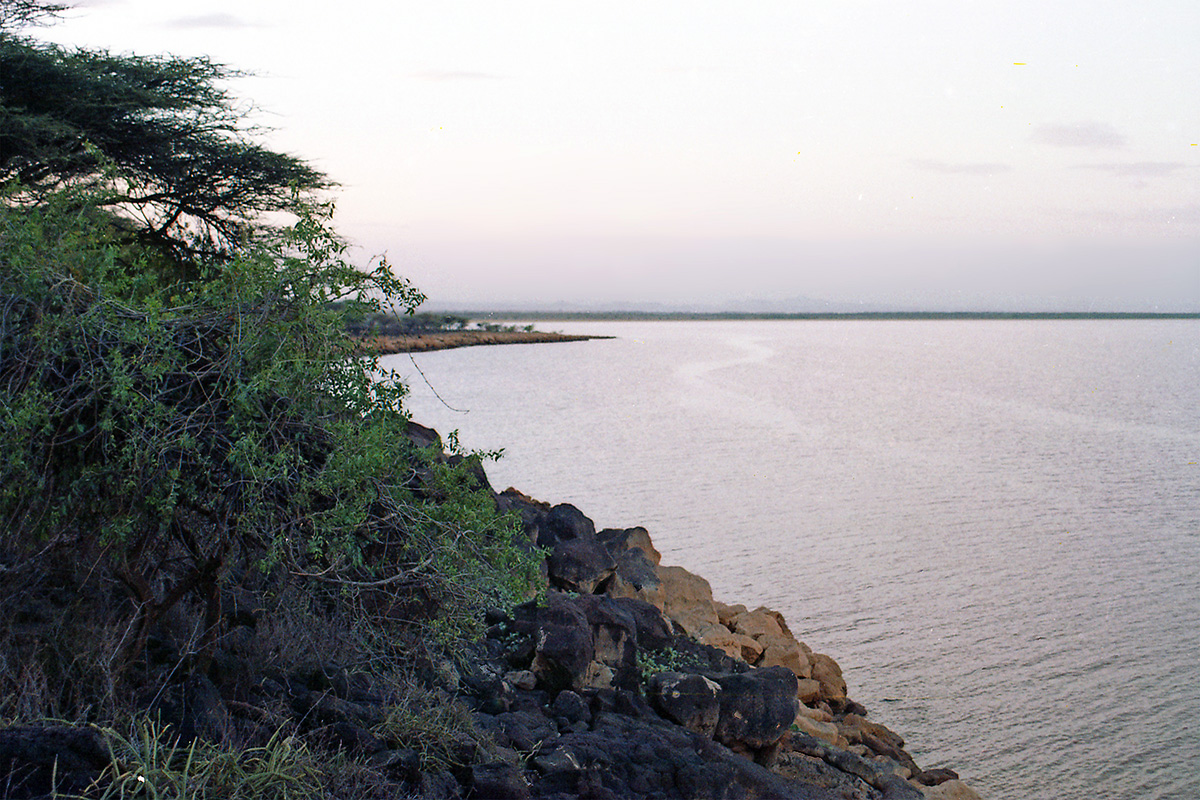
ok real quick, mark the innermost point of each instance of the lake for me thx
(993, 526)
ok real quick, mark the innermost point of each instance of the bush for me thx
(178, 437)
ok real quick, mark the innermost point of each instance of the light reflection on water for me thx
(994, 527)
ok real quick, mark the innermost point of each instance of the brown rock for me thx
(826, 672)
(869, 728)
(751, 649)
(808, 691)
(821, 730)
(819, 714)
(950, 790)
(759, 622)
(687, 600)
(784, 651)
(726, 613)
(622, 541)
(597, 676)
(779, 620)
(877, 739)
(735, 645)
(635, 577)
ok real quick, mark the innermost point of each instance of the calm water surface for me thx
(994, 527)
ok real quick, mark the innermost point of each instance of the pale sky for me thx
(935, 154)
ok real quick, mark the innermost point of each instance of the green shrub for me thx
(182, 434)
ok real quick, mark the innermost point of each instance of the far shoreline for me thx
(702, 316)
(448, 340)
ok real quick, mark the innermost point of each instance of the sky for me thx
(938, 155)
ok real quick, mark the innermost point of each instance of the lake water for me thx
(993, 526)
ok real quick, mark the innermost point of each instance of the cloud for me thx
(1140, 169)
(452, 75)
(1082, 134)
(219, 20)
(945, 168)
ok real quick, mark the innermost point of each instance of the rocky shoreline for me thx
(446, 340)
(624, 678)
(630, 679)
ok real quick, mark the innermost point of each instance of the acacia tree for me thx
(20, 13)
(172, 147)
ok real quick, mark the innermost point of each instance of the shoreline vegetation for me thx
(446, 340)
(383, 335)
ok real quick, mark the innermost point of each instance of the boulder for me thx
(819, 714)
(523, 731)
(828, 674)
(570, 709)
(826, 731)
(736, 645)
(614, 632)
(41, 760)
(932, 777)
(498, 781)
(620, 542)
(759, 622)
(563, 523)
(726, 613)
(692, 701)
(423, 437)
(779, 620)
(623, 757)
(784, 651)
(579, 565)
(756, 707)
(562, 639)
(808, 691)
(687, 600)
(635, 576)
(653, 629)
(953, 789)
(876, 738)
(859, 729)
(524, 506)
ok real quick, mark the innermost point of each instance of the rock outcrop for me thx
(737, 677)
(624, 679)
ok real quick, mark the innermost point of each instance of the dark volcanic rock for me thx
(689, 700)
(570, 709)
(579, 565)
(625, 758)
(524, 731)
(498, 781)
(756, 707)
(524, 506)
(562, 641)
(423, 437)
(614, 637)
(567, 634)
(562, 523)
(37, 761)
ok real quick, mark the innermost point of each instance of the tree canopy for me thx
(172, 147)
(16, 14)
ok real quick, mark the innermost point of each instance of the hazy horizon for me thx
(1001, 156)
